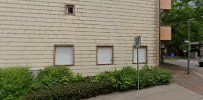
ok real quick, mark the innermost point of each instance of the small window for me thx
(70, 9)
(104, 55)
(64, 55)
(142, 55)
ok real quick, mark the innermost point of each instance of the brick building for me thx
(89, 36)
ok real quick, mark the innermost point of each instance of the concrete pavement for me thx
(192, 81)
(168, 92)
(183, 63)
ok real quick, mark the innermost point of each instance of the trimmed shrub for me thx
(14, 83)
(71, 91)
(55, 75)
(126, 78)
(107, 82)
(154, 76)
(120, 79)
(104, 77)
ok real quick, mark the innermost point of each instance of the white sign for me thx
(138, 41)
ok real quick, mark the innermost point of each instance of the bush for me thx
(55, 75)
(154, 76)
(126, 78)
(121, 80)
(71, 91)
(104, 77)
(14, 83)
(107, 82)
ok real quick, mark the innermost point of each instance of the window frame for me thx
(102, 46)
(146, 55)
(63, 45)
(66, 9)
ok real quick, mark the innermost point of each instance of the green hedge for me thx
(154, 76)
(14, 83)
(107, 82)
(54, 75)
(71, 91)
(121, 80)
(61, 83)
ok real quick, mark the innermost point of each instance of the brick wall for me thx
(29, 29)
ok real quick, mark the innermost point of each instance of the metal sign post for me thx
(189, 47)
(138, 45)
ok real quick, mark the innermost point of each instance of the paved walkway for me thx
(193, 82)
(183, 63)
(169, 92)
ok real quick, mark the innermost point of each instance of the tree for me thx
(177, 18)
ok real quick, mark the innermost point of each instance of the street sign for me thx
(138, 41)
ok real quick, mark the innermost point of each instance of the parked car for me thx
(201, 62)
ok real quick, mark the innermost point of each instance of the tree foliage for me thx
(177, 18)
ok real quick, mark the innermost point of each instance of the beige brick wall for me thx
(30, 28)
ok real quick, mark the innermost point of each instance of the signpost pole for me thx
(138, 77)
(189, 48)
(137, 46)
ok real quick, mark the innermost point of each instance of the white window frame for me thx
(135, 58)
(112, 59)
(73, 56)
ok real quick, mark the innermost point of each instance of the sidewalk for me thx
(183, 62)
(193, 82)
(169, 92)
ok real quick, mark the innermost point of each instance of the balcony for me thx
(165, 33)
(165, 4)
